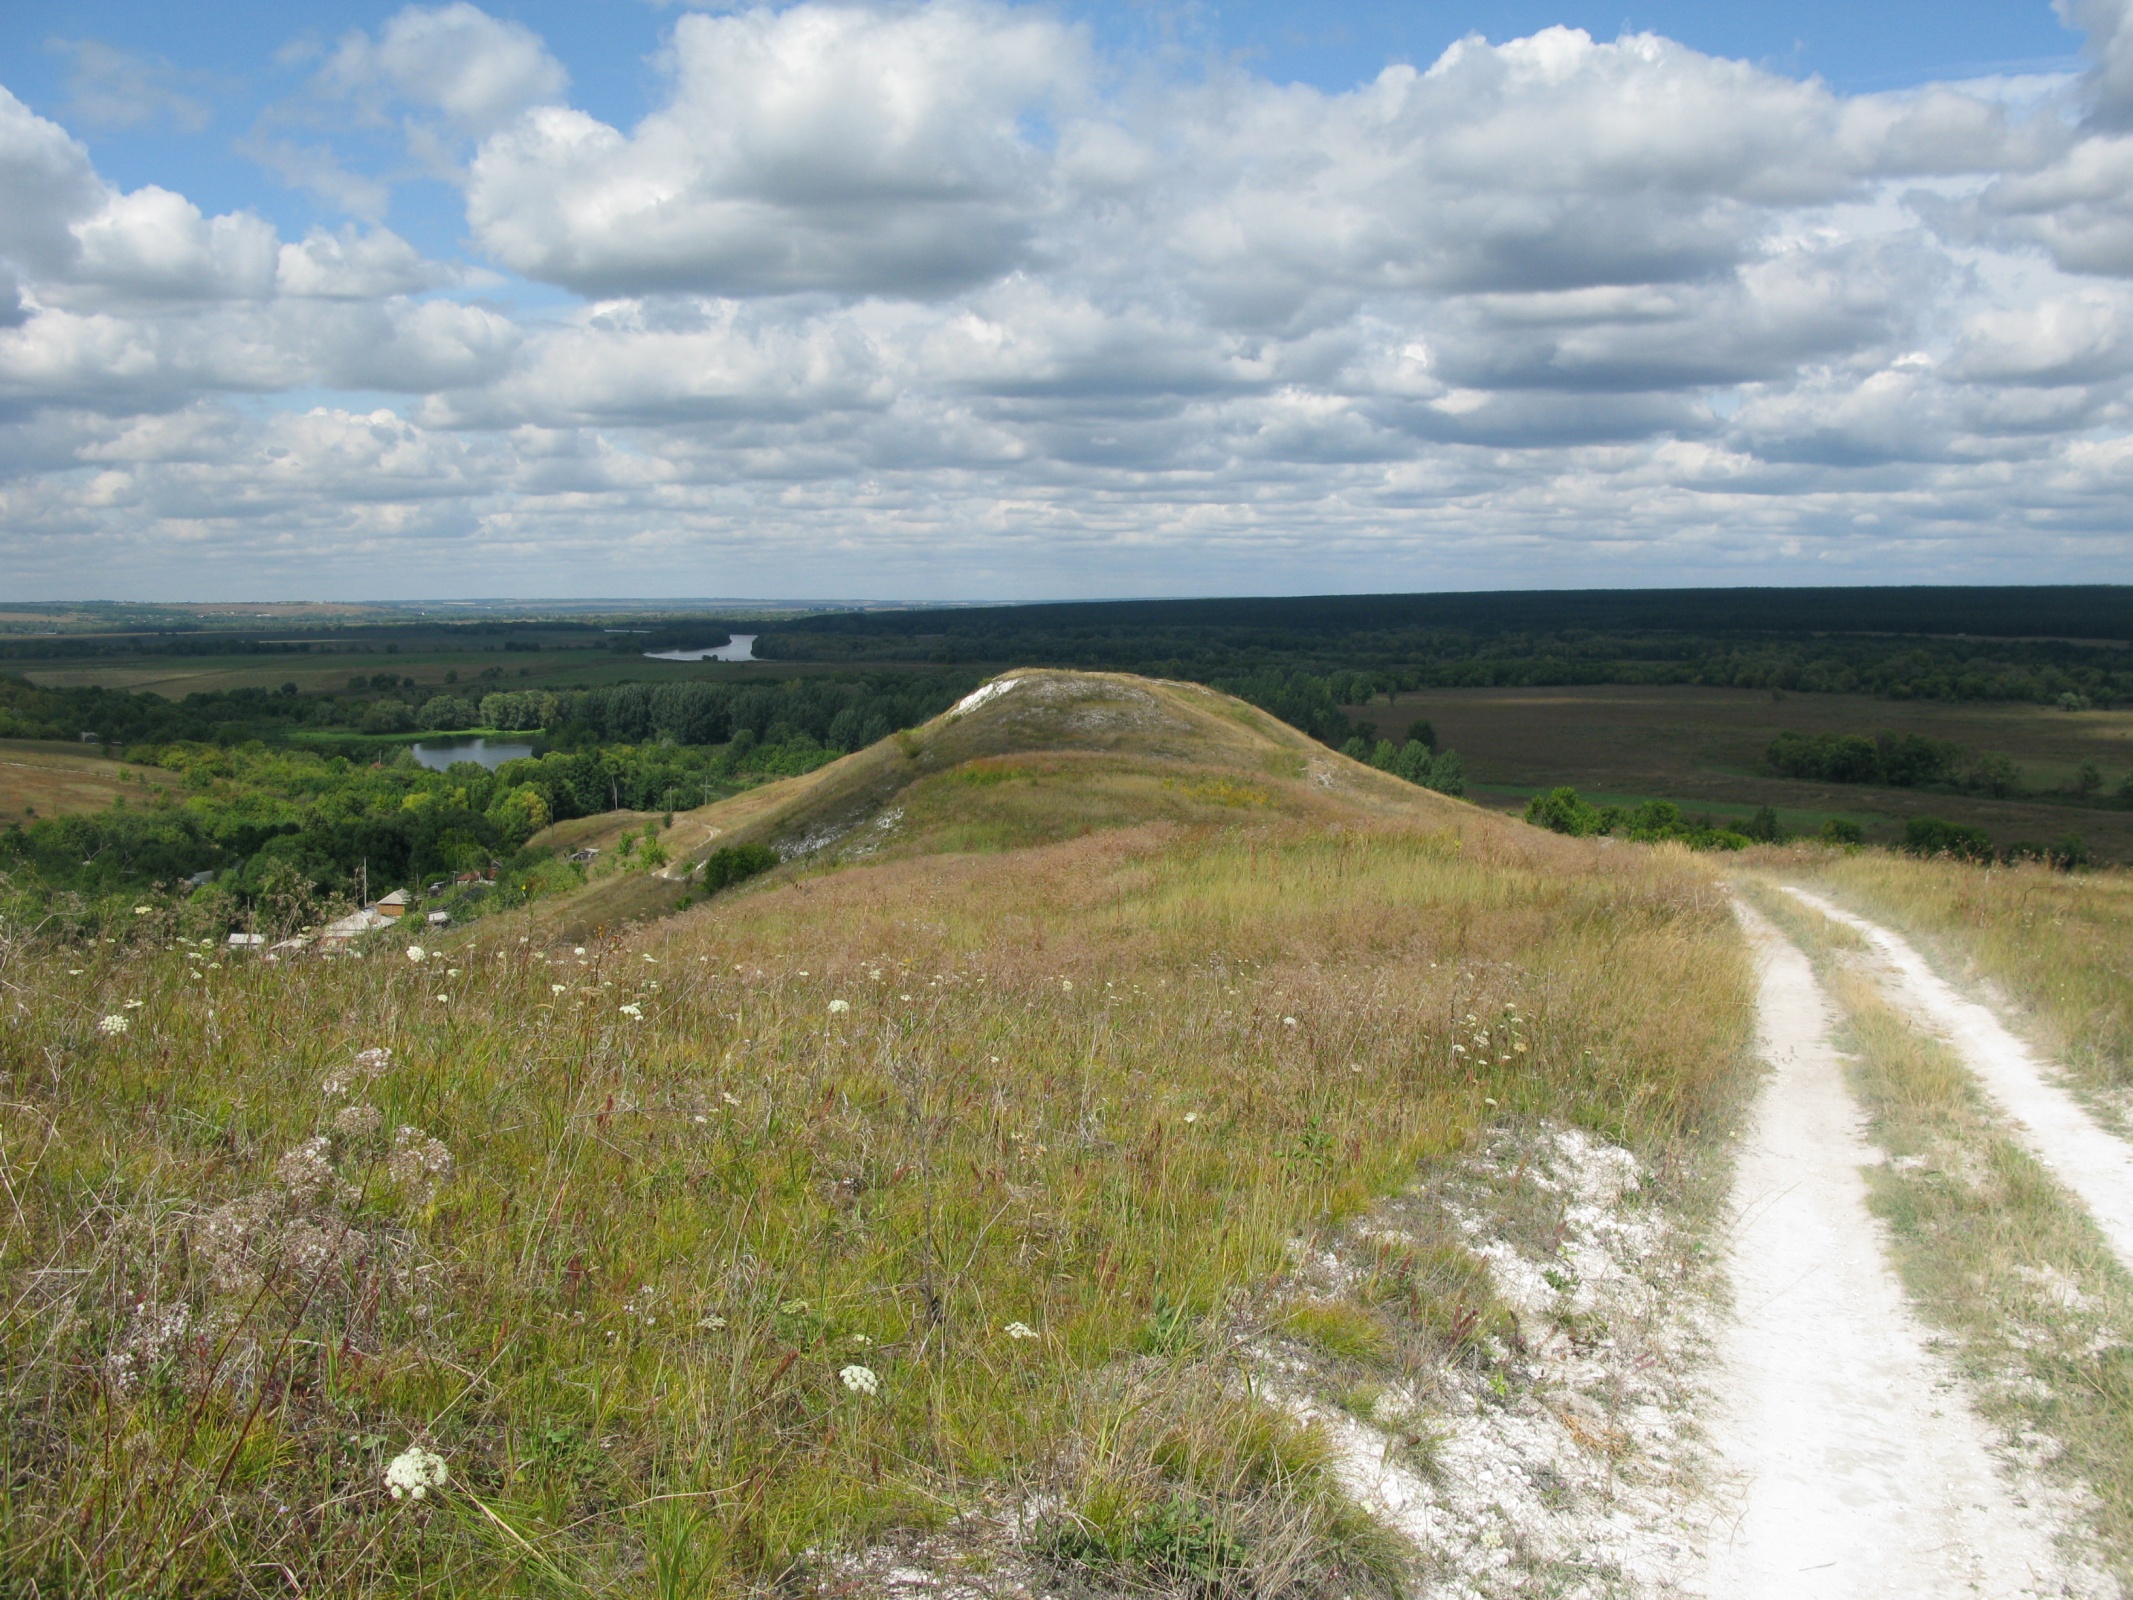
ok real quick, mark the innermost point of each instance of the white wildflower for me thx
(556, 988)
(417, 1157)
(713, 1323)
(417, 954)
(1067, 985)
(414, 1472)
(113, 1024)
(1020, 1330)
(579, 951)
(1288, 1022)
(840, 1005)
(1192, 1117)
(633, 1011)
(306, 1169)
(358, 1121)
(374, 1060)
(861, 1380)
(142, 911)
(135, 1005)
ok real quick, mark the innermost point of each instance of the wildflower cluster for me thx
(414, 1472)
(418, 1162)
(1501, 1039)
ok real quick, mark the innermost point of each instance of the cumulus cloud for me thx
(478, 71)
(47, 183)
(873, 291)
(813, 148)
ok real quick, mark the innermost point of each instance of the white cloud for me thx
(111, 88)
(156, 244)
(350, 265)
(477, 70)
(928, 298)
(46, 184)
(813, 148)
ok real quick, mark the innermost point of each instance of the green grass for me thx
(657, 1199)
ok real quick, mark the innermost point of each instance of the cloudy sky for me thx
(965, 300)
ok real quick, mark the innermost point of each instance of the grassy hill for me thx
(928, 1194)
(1035, 756)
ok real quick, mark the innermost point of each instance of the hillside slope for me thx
(939, 1211)
(1032, 757)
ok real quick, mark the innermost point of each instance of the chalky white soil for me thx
(1848, 1461)
(2094, 1164)
(1565, 1467)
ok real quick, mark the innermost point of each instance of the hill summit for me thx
(1033, 756)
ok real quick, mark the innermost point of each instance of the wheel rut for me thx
(1850, 1462)
(2093, 1163)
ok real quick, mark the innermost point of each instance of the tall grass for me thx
(2059, 946)
(833, 1208)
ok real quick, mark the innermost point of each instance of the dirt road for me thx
(1853, 1465)
(2094, 1164)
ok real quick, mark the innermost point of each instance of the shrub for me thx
(1447, 773)
(736, 862)
(447, 711)
(1911, 759)
(1763, 826)
(388, 716)
(1838, 831)
(1831, 757)
(1995, 773)
(1930, 836)
(1561, 811)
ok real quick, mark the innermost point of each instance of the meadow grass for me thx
(2057, 946)
(1995, 1253)
(841, 1207)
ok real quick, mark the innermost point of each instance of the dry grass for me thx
(659, 1199)
(2056, 947)
(1994, 1252)
(40, 779)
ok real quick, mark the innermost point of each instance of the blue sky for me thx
(962, 299)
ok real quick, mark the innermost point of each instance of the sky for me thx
(962, 300)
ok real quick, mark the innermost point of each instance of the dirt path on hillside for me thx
(2095, 1165)
(1852, 1465)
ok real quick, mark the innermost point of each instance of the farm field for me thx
(42, 779)
(1704, 748)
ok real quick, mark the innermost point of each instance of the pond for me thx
(438, 754)
(741, 648)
